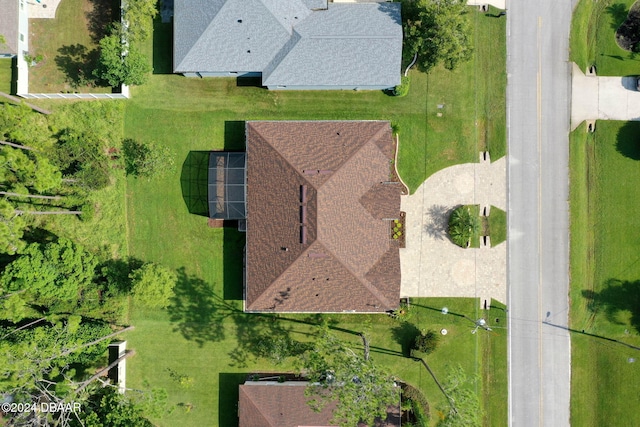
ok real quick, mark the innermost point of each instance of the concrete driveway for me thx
(603, 98)
(431, 264)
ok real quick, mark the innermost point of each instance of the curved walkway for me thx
(432, 265)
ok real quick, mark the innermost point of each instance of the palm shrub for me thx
(462, 225)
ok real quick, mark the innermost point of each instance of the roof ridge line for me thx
(213, 18)
(372, 289)
(258, 409)
(374, 138)
(281, 156)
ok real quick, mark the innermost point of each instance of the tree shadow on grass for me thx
(617, 296)
(77, 63)
(618, 13)
(228, 396)
(100, 17)
(194, 181)
(628, 140)
(405, 334)
(266, 336)
(197, 312)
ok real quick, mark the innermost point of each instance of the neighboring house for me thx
(9, 27)
(273, 404)
(291, 44)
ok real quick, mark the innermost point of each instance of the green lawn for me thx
(218, 363)
(202, 335)
(6, 75)
(497, 225)
(605, 273)
(67, 44)
(593, 38)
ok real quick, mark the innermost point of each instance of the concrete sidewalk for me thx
(431, 264)
(603, 98)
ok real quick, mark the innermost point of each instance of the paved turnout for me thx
(538, 104)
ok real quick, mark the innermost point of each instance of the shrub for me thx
(462, 225)
(403, 88)
(146, 160)
(427, 342)
(418, 403)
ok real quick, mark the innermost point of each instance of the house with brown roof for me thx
(320, 203)
(273, 404)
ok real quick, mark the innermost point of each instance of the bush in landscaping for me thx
(418, 404)
(462, 225)
(427, 342)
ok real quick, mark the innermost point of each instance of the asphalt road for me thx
(538, 111)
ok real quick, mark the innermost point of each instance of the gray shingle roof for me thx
(357, 44)
(226, 35)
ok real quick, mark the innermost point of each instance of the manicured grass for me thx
(6, 74)
(203, 335)
(215, 368)
(593, 38)
(494, 367)
(497, 225)
(68, 45)
(605, 290)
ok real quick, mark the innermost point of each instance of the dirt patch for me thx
(628, 34)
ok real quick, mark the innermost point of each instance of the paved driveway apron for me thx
(431, 264)
(603, 98)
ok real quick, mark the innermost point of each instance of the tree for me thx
(146, 159)
(427, 342)
(139, 16)
(467, 411)
(152, 285)
(336, 373)
(437, 31)
(119, 64)
(108, 408)
(12, 228)
(52, 277)
(27, 169)
(462, 225)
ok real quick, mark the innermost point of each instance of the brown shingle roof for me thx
(270, 404)
(332, 265)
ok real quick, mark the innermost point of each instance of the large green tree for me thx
(152, 285)
(139, 16)
(437, 31)
(47, 278)
(12, 228)
(336, 373)
(27, 169)
(121, 64)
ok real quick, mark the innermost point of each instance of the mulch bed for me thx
(400, 241)
(628, 35)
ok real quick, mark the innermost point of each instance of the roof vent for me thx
(239, 21)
